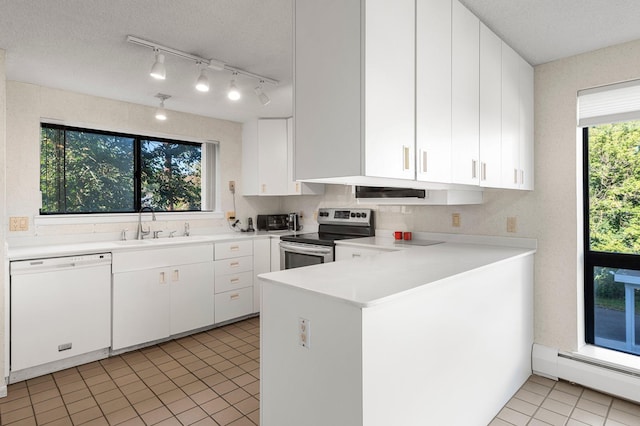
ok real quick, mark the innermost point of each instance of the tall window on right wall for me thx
(610, 121)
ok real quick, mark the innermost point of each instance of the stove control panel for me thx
(346, 216)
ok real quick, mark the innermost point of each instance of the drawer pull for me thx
(234, 264)
(176, 275)
(235, 280)
(405, 158)
(234, 248)
(234, 296)
(162, 278)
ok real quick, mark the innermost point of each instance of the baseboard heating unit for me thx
(615, 379)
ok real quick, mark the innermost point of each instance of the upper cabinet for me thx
(465, 95)
(433, 90)
(354, 101)
(406, 93)
(267, 156)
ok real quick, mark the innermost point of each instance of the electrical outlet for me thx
(18, 223)
(231, 215)
(232, 186)
(511, 224)
(455, 220)
(304, 333)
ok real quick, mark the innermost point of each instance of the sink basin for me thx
(165, 240)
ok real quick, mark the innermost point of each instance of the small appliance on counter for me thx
(294, 222)
(272, 222)
(249, 225)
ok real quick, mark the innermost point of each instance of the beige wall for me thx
(552, 213)
(27, 104)
(3, 204)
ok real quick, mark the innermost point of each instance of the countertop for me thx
(80, 248)
(369, 281)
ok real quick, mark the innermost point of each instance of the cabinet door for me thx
(490, 107)
(510, 117)
(389, 100)
(465, 95)
(526, 125)
(275, 254)
(192, 296)
(141, 303)
(433, 90)
(272, 156)
(261, 264)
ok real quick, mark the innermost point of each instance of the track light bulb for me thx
(158, 70)
(202, 84)
(234, 93)
(161, 113)
(262, 97)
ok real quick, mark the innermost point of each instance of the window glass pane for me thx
(171, 175)
(85, 172)
(614, 188)
(617, 308)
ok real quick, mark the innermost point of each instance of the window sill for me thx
(615, 359)
(80, 219)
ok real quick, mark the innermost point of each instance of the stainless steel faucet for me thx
(142, 232)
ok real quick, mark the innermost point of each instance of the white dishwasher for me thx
(60, 308)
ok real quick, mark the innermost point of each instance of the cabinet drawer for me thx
(234, 265)
(152, 257)
(234, 249)
(233, 304)
(233, 281)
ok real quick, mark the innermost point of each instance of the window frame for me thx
(593, 259)
(210, 199)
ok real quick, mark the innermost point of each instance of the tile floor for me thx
(211, 378)
(543, 402)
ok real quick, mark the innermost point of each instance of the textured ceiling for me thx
(80, 45)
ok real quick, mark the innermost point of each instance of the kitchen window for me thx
(610, 121)
(92, 171)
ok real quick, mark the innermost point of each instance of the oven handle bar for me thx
(306, 248)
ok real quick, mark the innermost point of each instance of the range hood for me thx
(386, 195)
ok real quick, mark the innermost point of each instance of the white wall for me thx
(552, 213)
(27, 104)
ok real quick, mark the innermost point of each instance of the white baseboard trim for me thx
(590, 372)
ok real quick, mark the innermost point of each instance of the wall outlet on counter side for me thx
(455, 220)
(232, 186)
(511, 224)
(304, 332)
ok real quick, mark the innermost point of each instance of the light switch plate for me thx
(511, 224)
(455, 220)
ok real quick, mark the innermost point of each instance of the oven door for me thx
(296, 255)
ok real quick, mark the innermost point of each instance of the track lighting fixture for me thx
(158, 70)
(262, 97)
(234, 93)
(202, 84)
(161, 113)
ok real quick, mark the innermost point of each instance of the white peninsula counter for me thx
(436, 335)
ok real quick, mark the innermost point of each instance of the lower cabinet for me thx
(234, 280)
(161, 292)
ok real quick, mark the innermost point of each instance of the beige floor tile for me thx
(623, 417)
(626, 406)
(242, 421)
(141, 395)
(536, 388)
(76, 396)
(29, 421)
(15, 404)
(598, 397)
(236, 396)
(83, 404)
(592, 407)
(557, 407)
(191, 416)
(114, 405)
(513, 417)
(19, 414)
(43, 396)
(226, 416)
(564, 397)
(215, 406)
(522, 406)
(121, 415)
(207, 421)
(204, 396)
(194, 387)
(574, 422)
(147, 405)
(156, 416)
(587, 417)
(569, 388)
(248, 405)
(181, 405)
(550, 417)
(225, 387)
(86, 415)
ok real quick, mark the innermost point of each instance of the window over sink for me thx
(93, 171)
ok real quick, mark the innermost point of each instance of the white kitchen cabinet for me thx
(267, 159)
(275, 254)
(433, 90)
(234, 280)
(261, 264)
(517, 121)
(490, 108)
(354, 89)
(141, 304)
(191, 297)
(526, 127)
(160, 292)
(465, 93)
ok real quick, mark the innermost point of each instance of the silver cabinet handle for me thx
(424, 161)
(405, 158)
(474, 169)
(515, 176)
(484, 171)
